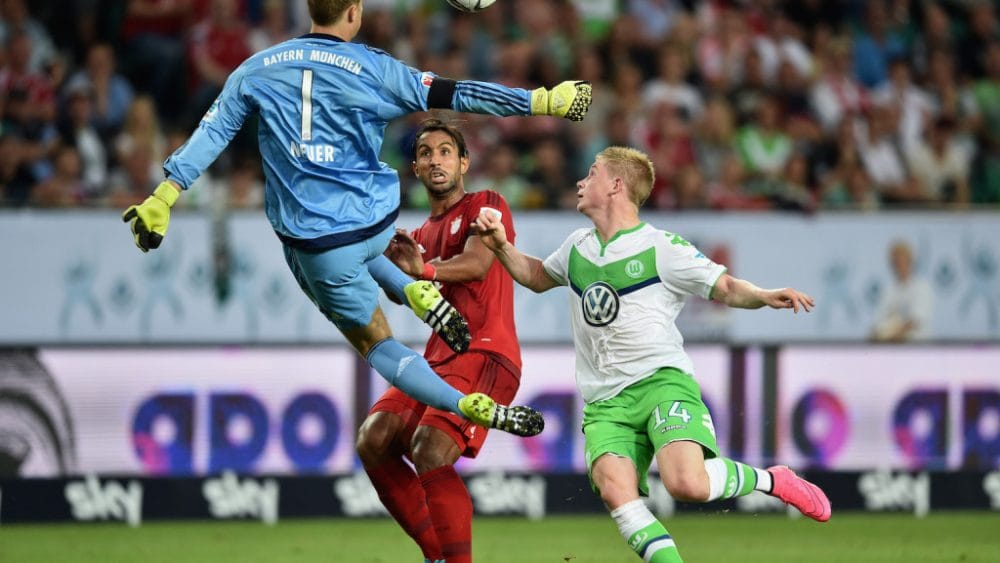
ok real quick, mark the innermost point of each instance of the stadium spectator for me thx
(763, 144)
(273, 27)
(152, 34)
(669, 85)
(911, 106)
(877, 43)
(782, 43)
(729, 193)
(65, 187)
(848, 188)
(937, 36)
(217, 45)
(666, 136)
(16, 176)
(135, 176)
(714, 137)
(112, 93)
(883, 160)
(983, 29)
(77, 130)
(939, 163)
(551, 172)
(15, 18)
(837, 94)
(722, 50)
(986, 96)
(29, 107)
(141, 127)
(691, 192)
(906, 306)
(501, 175)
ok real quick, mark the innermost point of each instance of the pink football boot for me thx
(803, 495)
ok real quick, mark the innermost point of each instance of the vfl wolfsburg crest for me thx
(600, 304)
(634, 269)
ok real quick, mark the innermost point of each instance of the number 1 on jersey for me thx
(307, 105)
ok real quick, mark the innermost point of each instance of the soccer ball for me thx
(471, 5)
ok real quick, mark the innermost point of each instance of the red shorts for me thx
(469, 372)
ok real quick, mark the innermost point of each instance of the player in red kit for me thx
(430, 501)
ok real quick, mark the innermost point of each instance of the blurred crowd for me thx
(803, 105)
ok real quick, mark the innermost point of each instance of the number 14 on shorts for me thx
(677, 410)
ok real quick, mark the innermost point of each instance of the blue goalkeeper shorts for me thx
(337, 280)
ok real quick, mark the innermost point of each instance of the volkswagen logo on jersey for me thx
(600, 304)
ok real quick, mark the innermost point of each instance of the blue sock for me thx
(390, 277)
(411, 373)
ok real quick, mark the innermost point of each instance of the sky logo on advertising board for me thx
(90, 500)
(238, 428)
(228, 497)
(496, 493)
(991, 484)
(883, 490)
(357, 496)
(759, 502)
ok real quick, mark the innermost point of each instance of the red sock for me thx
(401, 493)
(451, 509)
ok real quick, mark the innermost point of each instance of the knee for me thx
(375, 440)
(615, 489)
(687, 486)
(427, 457)
(432, 448)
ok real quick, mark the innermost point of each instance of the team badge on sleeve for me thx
(426, 79)
(213, 110)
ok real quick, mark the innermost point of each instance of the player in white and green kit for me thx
(628, 281)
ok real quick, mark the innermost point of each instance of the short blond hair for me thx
(634, 168)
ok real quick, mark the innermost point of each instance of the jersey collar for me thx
(616, 236)
(326, 36)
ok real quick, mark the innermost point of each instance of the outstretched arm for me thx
(526, 270)
(742, 294)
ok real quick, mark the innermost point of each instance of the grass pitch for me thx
(966, 537)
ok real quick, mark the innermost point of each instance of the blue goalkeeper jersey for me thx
(324, 104)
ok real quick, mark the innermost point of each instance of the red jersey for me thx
(487, 304)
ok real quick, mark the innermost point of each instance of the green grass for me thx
(710, 537)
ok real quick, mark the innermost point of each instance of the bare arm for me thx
(471, 265)
(742, 294)
(526, 270)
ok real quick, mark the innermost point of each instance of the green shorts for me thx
(665, 407)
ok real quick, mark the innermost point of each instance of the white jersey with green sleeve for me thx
(625, 297)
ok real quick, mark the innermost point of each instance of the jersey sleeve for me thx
(217, 128)
(488, 98)
(683, 268)
(557, 264)
(404, 89)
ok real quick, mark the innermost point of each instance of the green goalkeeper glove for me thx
(151, 217)
(569, 99)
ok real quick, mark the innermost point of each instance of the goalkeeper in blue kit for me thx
(323, 105)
